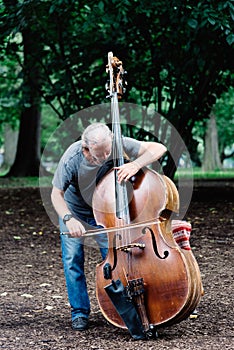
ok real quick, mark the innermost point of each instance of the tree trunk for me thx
(27, 161)
(211, 159)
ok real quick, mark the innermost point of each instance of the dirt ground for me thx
(35, 313)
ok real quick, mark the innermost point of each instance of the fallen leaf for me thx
(27, 315)
(44, 285)
(49, 307)
(27, 295)
(57, 297)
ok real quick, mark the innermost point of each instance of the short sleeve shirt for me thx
(77, 178)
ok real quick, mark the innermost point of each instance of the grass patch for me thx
(25, 181)
(198, 174)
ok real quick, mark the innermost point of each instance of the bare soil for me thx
(35, 313)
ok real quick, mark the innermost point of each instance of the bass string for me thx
(122, 209)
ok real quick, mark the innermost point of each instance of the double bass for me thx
(146, 281)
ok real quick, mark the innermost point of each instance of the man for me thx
(73, 186)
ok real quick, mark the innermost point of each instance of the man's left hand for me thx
(126, 171)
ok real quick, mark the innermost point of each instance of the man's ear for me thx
(85, 146)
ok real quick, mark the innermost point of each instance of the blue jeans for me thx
(73, 264)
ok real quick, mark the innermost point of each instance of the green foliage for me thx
(163, 44)
(224, 112)
(10, 97)
(178, 54)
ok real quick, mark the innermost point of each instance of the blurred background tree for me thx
(179, 58)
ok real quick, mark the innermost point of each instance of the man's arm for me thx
(148, 153)
(76, 229)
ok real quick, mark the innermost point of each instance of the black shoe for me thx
(80, 323)
(194, 315)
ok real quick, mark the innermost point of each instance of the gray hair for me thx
(96, 133)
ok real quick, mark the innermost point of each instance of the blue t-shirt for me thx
(78, 178)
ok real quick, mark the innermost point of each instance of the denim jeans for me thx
(73, 263)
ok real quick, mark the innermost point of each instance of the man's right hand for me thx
(75, 227)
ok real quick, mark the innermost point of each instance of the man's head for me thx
(97, 140)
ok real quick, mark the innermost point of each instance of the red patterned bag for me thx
(181, 232)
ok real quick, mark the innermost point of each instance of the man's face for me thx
(100, 151)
